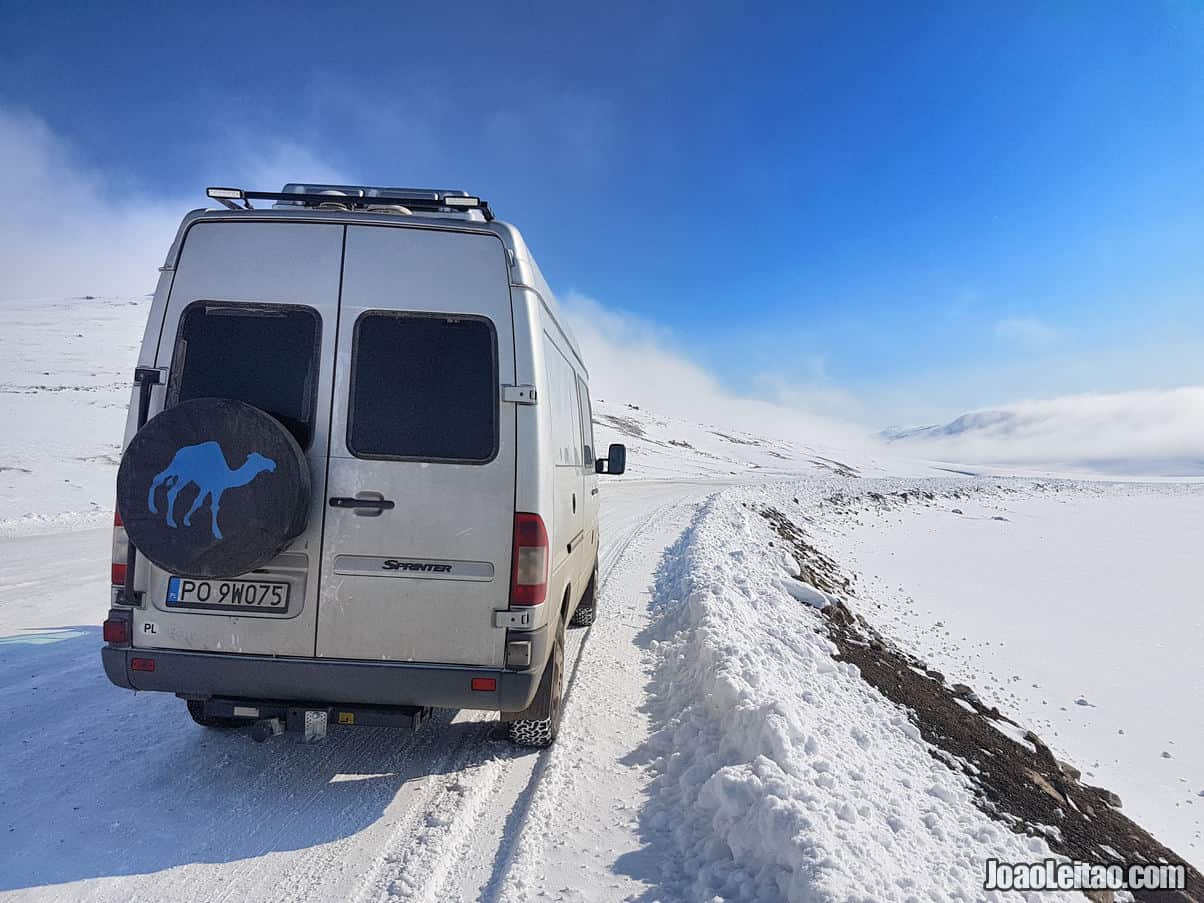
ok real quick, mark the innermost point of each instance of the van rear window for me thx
(424, 387)
(265, 355)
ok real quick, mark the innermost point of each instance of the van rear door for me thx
(252, 315)
(419, 518)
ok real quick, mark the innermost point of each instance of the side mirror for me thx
(615, 461)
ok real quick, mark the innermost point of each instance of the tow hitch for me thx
(309, 723)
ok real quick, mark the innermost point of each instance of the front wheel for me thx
(539, 724)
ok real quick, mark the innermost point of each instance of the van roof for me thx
(432, 208)
(437, 201)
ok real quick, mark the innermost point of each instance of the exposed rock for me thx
(1071, 773)
(963, 692)
(1039, 779)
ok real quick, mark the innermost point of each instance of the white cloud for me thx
(1146, 431)
(60, 231)
(1029, 332)
(634, 360)
(67, 229)
(272, 164)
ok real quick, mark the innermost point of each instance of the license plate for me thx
(231, 595)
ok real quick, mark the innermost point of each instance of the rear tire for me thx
(196, 708)
(587, 608)
(540, 732)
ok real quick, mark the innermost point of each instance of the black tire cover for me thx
(212, 488)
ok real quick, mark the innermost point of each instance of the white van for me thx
(359, 477)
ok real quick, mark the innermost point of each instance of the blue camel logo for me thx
(205, 465)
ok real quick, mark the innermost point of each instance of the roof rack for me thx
(352, 197)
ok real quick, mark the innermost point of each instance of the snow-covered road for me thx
(112, 796)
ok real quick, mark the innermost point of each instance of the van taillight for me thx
(116, 631)
(529, 585)
(121, 551)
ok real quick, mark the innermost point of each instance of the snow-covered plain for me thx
(1075, 608)
(711, 745)
(65, 372)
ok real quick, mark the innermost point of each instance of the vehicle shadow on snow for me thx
(102, 782)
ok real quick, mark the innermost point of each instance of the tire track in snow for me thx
(518, 858)
(255, 866)
(416, 850)
(306, 876)
(433, 849)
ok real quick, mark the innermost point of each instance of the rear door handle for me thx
(342, 501)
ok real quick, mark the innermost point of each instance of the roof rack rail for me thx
(352, 198)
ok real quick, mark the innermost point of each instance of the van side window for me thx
(423, 387)
(264, 354)
(561, 395)
(587, 427)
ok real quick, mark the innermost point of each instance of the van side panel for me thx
(589, 488)
(535, 465)
(559, 393)
(535, 301)
(251, 264)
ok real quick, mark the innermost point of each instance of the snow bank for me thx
(780, 774)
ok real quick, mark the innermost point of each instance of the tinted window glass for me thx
(587, 428)
(266, 356)
(424, 387)
(559, 393)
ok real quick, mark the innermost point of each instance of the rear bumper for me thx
(204, 674)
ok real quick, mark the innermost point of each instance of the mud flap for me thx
(542, 706)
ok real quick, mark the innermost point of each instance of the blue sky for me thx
(906, 212)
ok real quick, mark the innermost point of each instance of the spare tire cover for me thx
(212, 488)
